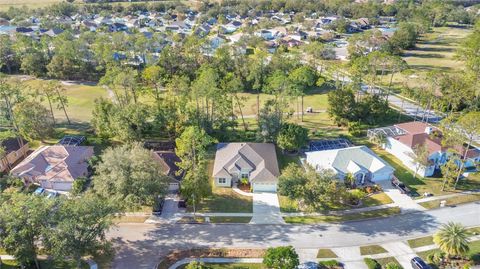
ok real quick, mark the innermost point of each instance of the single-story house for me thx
(256, 162)
(15, 149)
(401, 139)
(55, 167)
(168, 162)
(359, 161)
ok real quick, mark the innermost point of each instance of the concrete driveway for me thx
(266, 209)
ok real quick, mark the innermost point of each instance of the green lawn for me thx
(325, 253)
(371, 250)
(384, 261)
(230, 219)
(434, 51)
(420, 242)
(288, 205)
(80, 100)
(345, 217)
(223, 200)
(45, 264)
(421, 185)
(474, 249)
(460, 199)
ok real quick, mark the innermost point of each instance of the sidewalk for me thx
(433, 198)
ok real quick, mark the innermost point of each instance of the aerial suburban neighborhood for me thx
(240, 134)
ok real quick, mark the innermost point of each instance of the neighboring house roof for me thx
(347, 160)
(260, 158)
(168, 161)
(55, 163)
(12, 144)
(419, 133)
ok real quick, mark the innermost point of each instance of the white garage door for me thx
(264, 187)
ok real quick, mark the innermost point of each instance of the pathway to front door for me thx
(266, 209)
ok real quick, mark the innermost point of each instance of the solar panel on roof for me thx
(320, 145)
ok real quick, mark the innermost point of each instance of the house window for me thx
(222, 180)
(244, 175)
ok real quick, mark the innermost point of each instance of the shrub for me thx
(79, 185)
(475, 258)
(196, 265)
(281, 258)
(354, 196)
(329, 264)
(372, 264)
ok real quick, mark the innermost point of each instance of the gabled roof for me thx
(168, 161)
(55, 163)
(259, 158)
(347, 160)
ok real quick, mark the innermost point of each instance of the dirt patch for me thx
(177, 255)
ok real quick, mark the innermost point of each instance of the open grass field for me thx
(435, 51)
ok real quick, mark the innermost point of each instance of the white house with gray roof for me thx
(360, 161)
(255, 161)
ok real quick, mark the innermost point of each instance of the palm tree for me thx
(452, 239)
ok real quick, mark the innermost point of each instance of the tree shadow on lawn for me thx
(424, 55)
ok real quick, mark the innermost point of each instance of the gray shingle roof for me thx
(261, 157)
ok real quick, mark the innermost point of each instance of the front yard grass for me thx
(380, 213)
(371, 250)
(230, 219)
(420, 242)
(288, 205)
(326, 253)
(384, 261)
(223, 200)
(452, 201)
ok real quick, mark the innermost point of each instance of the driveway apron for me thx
(266, 209)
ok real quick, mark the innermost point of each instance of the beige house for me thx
(54, 167)
(15, 150)
(256, 162)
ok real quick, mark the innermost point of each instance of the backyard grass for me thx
(325, 253)
(420, 242)
(380, 213)
(230, 219)
(371, 250)
(452, 201)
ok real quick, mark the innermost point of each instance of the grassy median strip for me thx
(325, 253)
(371, 250)
(420, 242)
(456, 200)
(230, 219)
(380, 213)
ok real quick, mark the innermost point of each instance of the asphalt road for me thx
(142, 245)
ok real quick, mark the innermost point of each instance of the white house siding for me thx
(383, 174)
(402, 152)
(264, 187)
(228, 182)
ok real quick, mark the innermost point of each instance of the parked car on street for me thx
(399, 185)
(418, 263)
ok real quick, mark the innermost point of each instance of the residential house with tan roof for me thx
(54, 167)
(401, 139)
(256, 162)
